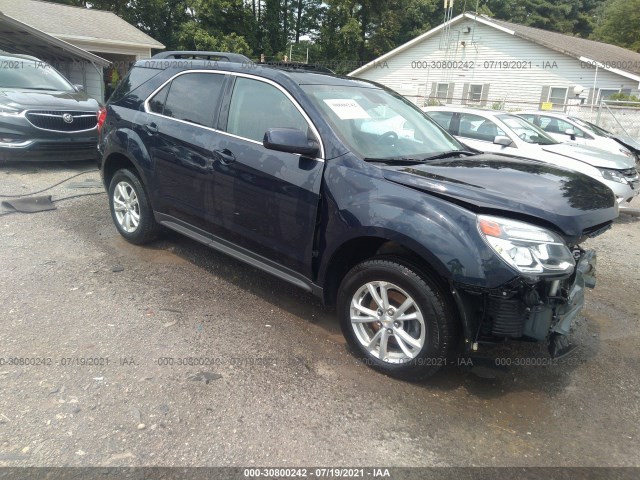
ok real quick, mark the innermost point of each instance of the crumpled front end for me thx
(542, 310)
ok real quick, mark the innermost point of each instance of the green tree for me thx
(274, 36)
(221, 18)
(418, 17)
(306, 17)
(160, 19)
(537, 13)
(572, 17)
(358, 31)
(620, 22)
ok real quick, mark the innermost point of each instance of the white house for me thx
(80, 42)
(477, 60)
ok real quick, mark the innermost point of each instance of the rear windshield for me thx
(29, 75)
(137, 76)
(590, 126)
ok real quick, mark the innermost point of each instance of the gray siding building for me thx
(476, 60)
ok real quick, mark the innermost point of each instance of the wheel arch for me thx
(360, 248)
(114, 162)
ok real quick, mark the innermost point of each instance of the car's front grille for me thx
(65, 147)
(62, 120)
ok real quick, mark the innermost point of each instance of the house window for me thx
(605, 93)
(443, 91)
(558, 97)
(475, 93)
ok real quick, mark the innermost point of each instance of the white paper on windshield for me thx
(346, 109)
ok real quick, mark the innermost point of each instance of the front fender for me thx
(444, 234)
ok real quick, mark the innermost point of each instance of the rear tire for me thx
(130, 208)
(396, 319)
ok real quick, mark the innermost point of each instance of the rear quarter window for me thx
(136, 77)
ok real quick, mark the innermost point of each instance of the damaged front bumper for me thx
(530, 310)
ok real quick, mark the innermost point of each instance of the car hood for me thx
(627, 141)
(572, 202)
(31, 99)
(592, 155)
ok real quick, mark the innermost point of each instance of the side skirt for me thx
(239, 253)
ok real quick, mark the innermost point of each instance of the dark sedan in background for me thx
(42, 115)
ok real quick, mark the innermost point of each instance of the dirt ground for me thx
(112, 335)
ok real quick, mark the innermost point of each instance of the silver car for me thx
(508, 134)
(566, 128)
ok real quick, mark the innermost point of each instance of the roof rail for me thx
(288, 65)
(202, 55)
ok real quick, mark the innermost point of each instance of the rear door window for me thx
(136, 77)
(192, 97)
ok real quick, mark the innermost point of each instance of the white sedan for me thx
(500, 132)
(566, 128)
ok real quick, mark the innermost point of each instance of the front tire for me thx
(130, 208)
(396, 319)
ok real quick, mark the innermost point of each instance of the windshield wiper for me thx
(401, 160)
(451, 153)
(412, 161)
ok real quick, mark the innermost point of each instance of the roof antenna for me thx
(446, 32)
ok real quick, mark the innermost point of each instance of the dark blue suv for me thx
(347, 190)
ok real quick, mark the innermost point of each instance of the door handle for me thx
(151, 128)
(225, 156)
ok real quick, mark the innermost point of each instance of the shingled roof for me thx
(76, 23)
(604, 53)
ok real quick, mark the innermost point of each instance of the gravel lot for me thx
(280, 388)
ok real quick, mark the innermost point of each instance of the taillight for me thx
(101, 115)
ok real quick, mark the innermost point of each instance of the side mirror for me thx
(290, 140)
(571, 132)
(78, 87)
(502, 140)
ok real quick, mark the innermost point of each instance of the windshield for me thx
(29, 75)
(527, 131)
(591, 127)
(374, 123)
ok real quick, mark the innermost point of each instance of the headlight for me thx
(613, 175)
(529, 249)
